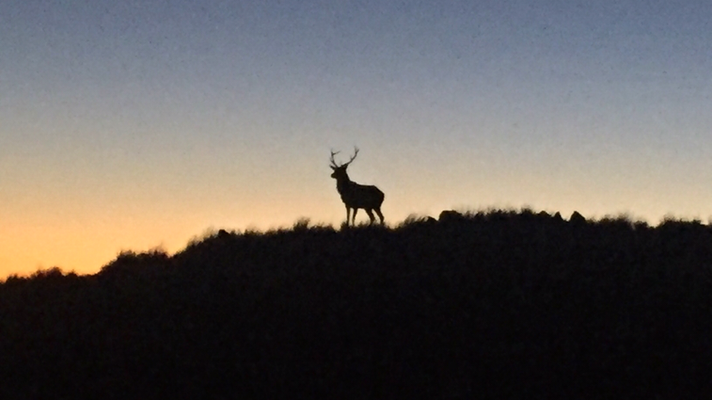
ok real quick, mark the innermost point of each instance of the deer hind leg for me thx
(380, 215)
(370, 214)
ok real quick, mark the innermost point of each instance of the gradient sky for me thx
(126, 125)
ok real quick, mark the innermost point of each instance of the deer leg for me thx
(353, 217)
(370, 215)
(380, 215)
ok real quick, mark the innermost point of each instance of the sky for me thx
(131, 125)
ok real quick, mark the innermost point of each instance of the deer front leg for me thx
(353, 217)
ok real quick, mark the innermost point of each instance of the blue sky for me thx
(129, 125)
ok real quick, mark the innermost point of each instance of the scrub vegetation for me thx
(489, 304)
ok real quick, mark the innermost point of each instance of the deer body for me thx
(356, 196)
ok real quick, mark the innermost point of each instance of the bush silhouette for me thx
(495, 304)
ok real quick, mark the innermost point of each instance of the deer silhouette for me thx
(353, 195)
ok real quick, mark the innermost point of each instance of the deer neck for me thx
(343, 184)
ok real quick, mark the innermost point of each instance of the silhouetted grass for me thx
(487, 304)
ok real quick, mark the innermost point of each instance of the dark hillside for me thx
(499, 304)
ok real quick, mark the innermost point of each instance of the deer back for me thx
(361, 196)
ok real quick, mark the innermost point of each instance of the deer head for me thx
(340, 169)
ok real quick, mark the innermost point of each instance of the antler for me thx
(346, 164)
(333, 163)
(352, 158)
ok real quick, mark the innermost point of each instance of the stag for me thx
(353, 195)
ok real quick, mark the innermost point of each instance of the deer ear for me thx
(333, 168)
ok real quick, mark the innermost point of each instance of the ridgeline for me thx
(496, 304)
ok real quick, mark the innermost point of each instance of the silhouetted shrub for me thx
(577, 218)
(50, 273)
(129, 263)
(450, 216)
(496, 303)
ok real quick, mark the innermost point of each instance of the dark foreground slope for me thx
(497, 304)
